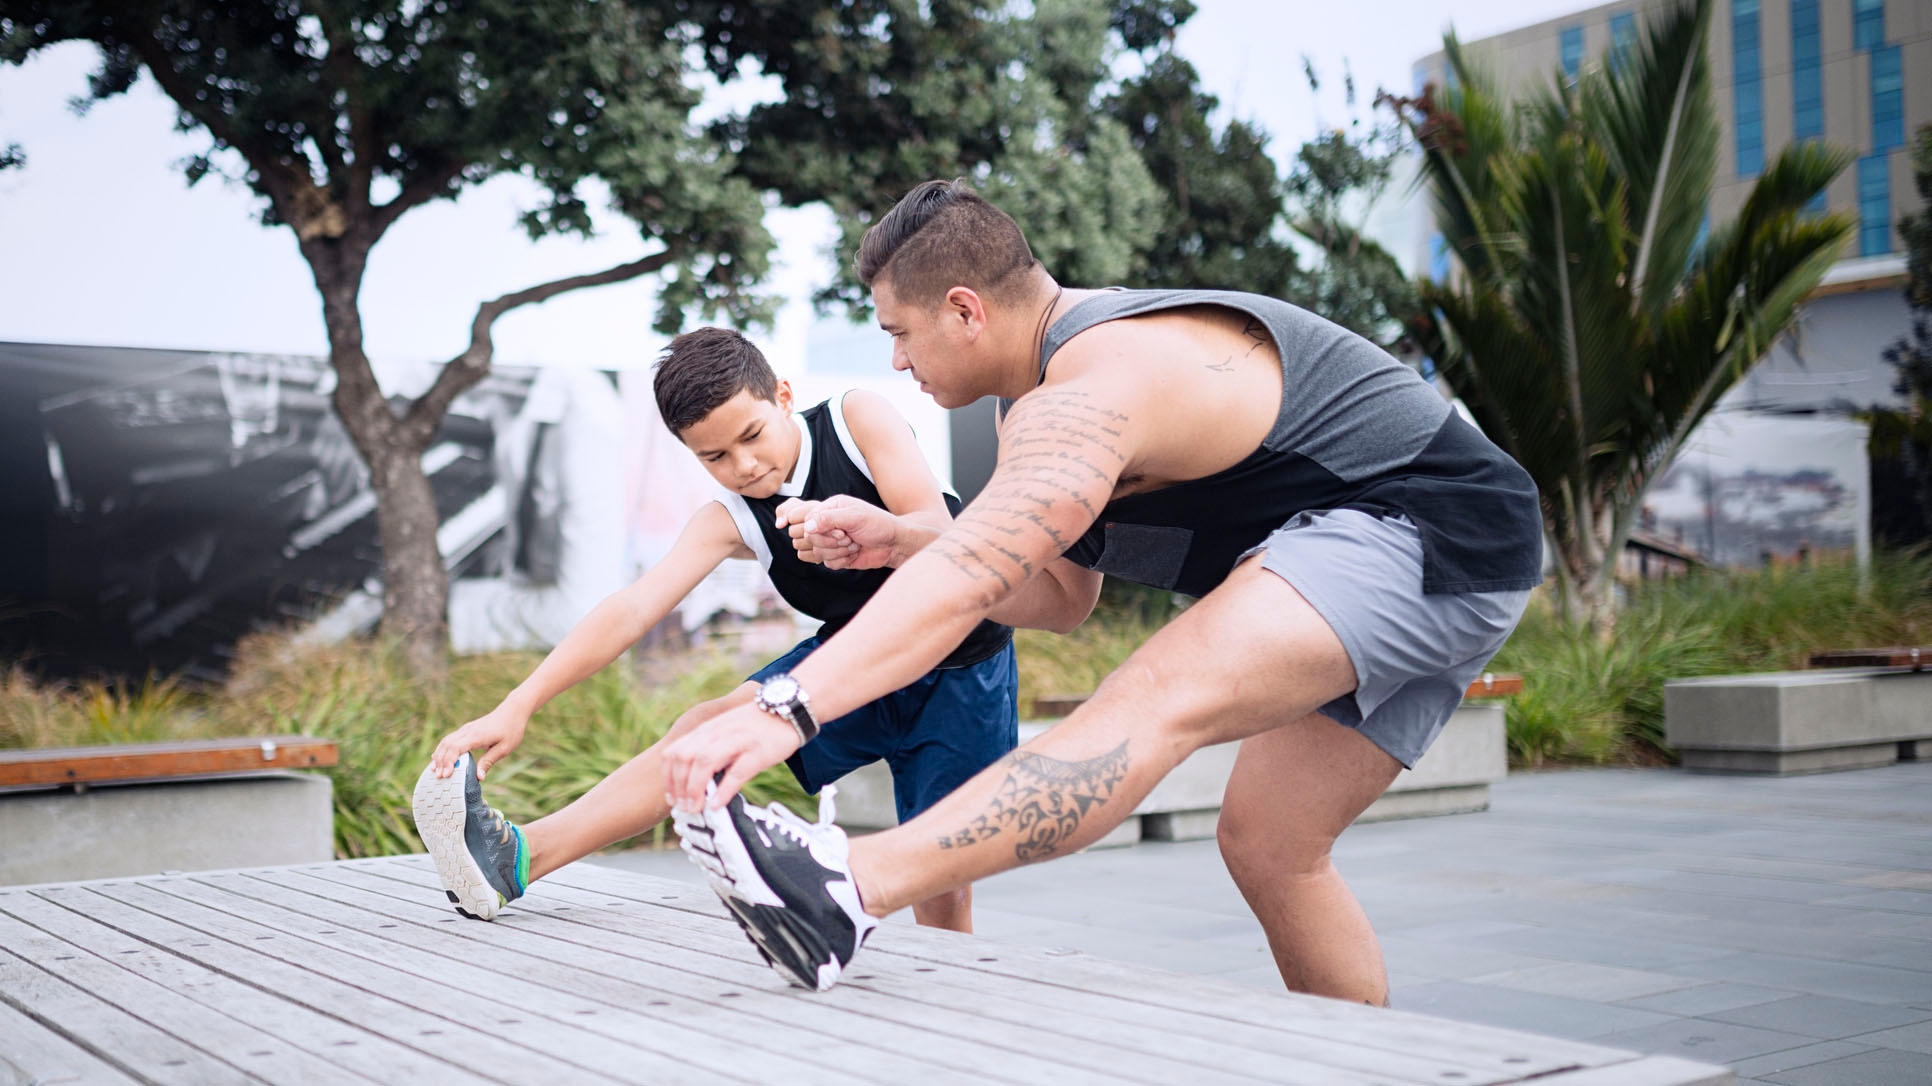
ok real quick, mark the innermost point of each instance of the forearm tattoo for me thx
(1060, 454)
(1043, 801)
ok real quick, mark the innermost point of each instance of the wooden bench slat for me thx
(421, 1013)
(148, 761)
(1918, 658)
(1499, 685)
(1373, 1028)
(38, 1054)
(906, 1042)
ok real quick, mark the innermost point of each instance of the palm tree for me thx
(1593, 324)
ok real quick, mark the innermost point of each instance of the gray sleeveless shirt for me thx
(1356, 429)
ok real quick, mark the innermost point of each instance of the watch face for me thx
(779, 689)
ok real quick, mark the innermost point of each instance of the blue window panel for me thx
(1572, 50)
(1807, 79)
(1874, 205)
(1816, 206)
(1868, 23)
(1623, 36)
(1438, 259)
(1748, 89)
(1888, 100)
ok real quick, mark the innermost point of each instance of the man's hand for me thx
(500, 730)
(740, 743)
(843, 532)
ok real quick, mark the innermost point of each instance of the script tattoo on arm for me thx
(1061, 451)
(1042, 802)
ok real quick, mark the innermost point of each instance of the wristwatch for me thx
(782, 697)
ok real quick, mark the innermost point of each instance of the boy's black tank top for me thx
(830, 463)
(1356, 429)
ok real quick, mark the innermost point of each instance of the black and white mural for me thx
(159, 504)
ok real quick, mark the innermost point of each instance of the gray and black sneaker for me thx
(786, 881)
(479, 855)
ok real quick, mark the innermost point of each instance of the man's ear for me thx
(963, 304)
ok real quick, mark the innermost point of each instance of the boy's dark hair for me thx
(702, 369)
(943, 235)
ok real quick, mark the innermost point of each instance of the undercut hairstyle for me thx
(943, 235)
(704, 368)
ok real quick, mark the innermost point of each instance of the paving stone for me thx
(1917, 1038)
(1793, 1058)
(1821, 1016)
(1847, 980)
(1879, 1067)
(1705, 998)
(1703, 1039)
(1587, 980)
(1533, 1011)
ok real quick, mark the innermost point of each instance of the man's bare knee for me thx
(1253, 850)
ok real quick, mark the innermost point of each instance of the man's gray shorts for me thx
(1414, 654)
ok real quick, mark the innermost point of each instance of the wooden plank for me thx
(30, 1052)
(335, 1052)
(148, 761)
(113, 1034)
(1127, 1029)
(574, 1030)
(1915, 658)
(821, 1026)
(1494, 1050)
(402, 1010)
(1055, 706)
(1494, 686)
(109, 927)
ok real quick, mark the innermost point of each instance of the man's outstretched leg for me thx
(1293, 791)
(1248, 657)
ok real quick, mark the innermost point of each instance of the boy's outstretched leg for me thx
(485, 861)
(479, 855)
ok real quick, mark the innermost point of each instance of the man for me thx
(1360, 553)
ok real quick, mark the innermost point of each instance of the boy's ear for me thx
(782, 395)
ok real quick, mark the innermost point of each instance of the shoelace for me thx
(500, 826)
(784, 820)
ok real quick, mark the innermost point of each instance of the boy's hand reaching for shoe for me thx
(500, 730)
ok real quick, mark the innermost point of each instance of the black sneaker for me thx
(786, 881)
(479, 854)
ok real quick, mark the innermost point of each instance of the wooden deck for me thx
(353, 972)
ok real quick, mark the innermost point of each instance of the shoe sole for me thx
(440, 816)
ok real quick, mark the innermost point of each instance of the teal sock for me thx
(523, 862)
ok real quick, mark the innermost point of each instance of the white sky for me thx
(102, 243)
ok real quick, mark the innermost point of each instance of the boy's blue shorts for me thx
(934, 734)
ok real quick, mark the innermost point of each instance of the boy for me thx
(720, 397)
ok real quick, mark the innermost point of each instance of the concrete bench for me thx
(143, 808)
(1786, 722)
(1452, 778)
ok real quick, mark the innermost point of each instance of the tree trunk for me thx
(415, 586)
(1586, 592)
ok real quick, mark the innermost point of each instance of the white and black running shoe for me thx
(786, 881)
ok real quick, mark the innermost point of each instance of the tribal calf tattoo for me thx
(1043, 801)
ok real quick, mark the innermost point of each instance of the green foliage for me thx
(1588, 330)
(1126, 616)
(385, 723)
(1595, 700)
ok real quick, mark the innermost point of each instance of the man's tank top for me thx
(829, 463)
(1357, 429)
